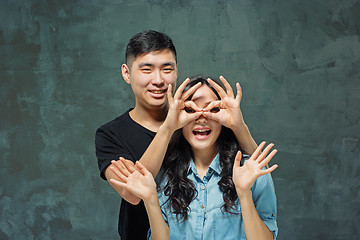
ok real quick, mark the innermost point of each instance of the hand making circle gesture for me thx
(177, 116)
(229, 113)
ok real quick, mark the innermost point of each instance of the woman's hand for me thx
(177, 116)
(228, 113)
(245, 176)
(136, 179)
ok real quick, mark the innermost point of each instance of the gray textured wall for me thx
(297, 61)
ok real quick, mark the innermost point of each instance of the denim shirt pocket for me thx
(180, 229)
(228, 226)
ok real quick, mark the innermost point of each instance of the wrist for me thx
(244, 194)
(239, 126)
(166, 128)
(153, 200)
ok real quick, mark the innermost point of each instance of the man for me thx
(151, 70)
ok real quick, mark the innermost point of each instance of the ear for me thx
(125, 71)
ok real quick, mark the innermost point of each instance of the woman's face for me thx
(202, 133)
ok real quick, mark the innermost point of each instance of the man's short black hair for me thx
(147, 41)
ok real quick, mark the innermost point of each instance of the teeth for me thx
(156, 92)
(202, 130)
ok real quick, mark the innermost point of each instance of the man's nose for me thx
(157, 79)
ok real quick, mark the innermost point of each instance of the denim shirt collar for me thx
(214, 166)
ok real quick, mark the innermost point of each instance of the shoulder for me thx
(263, 182)
(116, 123)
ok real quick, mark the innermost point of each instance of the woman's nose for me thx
(201, 120)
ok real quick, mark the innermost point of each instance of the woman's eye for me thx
(189, 110)
(215, 110)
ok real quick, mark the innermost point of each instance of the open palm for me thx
(245, 176)
(140, 182)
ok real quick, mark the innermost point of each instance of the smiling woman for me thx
(207, 184)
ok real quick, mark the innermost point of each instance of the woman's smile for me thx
(201, 132)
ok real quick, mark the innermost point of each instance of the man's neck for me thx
(149, 118)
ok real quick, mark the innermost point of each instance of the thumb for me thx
(238, 159)
(169, 92)
(141, 168)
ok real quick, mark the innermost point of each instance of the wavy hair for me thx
(180, 190)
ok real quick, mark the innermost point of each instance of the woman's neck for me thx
(203, 159)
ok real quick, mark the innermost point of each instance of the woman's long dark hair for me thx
(180, 190)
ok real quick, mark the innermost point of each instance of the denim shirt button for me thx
(202, 187)
(202, 205)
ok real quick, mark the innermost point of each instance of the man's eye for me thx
(167, 70)
(189, 110)
(215, 110)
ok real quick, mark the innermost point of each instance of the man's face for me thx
(150, 75)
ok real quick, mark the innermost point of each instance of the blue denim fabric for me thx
(207, 220)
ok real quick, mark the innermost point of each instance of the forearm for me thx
(158, 226)
(244, 138)
(255, 227)
(155, 153)
(151, 159)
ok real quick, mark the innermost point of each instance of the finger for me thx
(121, 167)
(237, 159)
(121, 176)
(269, 170)
(217, 88)
(142, 169)
(264, 153)
(129, 165)
(212, 105)
(118, 183)
(227, 86)
(190, 91)
(238, 92)
(268, 158)
(212, 116)
(193, 116)
(192, 105)
(169, 93)
(257, 151)
(181, 88)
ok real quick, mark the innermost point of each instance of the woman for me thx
(208, 191)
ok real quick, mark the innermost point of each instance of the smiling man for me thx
(150, 67)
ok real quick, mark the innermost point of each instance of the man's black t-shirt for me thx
(123, 137)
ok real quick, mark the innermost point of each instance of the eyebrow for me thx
(169, 64)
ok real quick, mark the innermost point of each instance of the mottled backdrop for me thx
(298, 62)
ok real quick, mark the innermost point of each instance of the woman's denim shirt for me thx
(207, 219)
